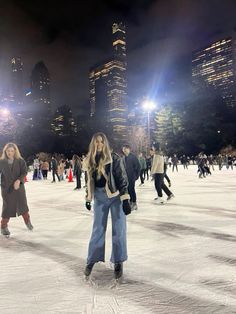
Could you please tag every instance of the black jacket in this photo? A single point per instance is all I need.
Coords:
(116, 179)
(132, 167)
(54, 164)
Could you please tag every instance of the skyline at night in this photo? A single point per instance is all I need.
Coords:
(70, 38)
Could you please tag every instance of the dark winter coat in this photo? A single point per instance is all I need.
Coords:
(14, 201)
(116, 179)
(132, 167)
(54, 164)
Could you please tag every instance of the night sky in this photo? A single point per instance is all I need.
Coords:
(71, 36)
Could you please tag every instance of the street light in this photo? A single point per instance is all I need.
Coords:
(5, 112)
(148, 105)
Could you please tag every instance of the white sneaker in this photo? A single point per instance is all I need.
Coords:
(160, 201)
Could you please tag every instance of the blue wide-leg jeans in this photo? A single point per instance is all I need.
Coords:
(102, 205)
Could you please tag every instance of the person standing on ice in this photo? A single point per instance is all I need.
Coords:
(132, 167)
(158, 172)
(13, 170)
(108, 186)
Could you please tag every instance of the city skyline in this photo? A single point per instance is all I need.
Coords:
(155, 30)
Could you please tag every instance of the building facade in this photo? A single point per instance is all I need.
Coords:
(108, 88)
(17, 80)
(63, 123)
(40, 91)
(215, 66)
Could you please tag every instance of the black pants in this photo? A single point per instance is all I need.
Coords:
(142, 175)
(132, 193)
(78, 180)
(54, 172)
(185, 166)
(146, 173)
(45, 174)
(175, 166)
(160, 185)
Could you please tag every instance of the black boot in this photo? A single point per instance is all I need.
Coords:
(88, 269)
(118, 270)
(29, 225)
(5, 231)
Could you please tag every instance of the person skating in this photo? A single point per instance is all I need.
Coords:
(158, 172)
(45, 168)
(143, 166)
(174, 161)
(77, 171)
(54, 166)
(108, 185)
(132, 168)
(13, 170)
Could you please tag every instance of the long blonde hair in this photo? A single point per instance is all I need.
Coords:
(105, 154)
(14, 146)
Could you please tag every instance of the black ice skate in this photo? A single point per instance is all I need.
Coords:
(5, 232)
(118, 270)
(29, 225)
(88, 269)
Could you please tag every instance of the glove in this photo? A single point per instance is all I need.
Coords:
(169, 184)
(126, 207)
(88, 205)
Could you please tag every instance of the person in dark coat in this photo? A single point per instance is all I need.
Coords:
(132, 167)
(54, 165)
(77, 171)
(13, 170)
(108, 186)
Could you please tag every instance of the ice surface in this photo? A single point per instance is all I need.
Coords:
(182, 255)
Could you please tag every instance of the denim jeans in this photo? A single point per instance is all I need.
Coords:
(102, 205)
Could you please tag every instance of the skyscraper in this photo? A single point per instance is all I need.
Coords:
(108, 87)
(17, 80)
(63, 123)
(40, 87)
(215, 66)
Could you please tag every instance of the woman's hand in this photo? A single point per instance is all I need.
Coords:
(17, 184)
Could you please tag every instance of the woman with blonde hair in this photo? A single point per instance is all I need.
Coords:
(108, 186)
(13, 170)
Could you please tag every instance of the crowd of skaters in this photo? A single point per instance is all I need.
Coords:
(110, 180)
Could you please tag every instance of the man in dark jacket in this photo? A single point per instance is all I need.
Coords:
(54, 165)
(132, 167)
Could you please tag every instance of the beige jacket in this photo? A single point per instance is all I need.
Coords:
(157, 164)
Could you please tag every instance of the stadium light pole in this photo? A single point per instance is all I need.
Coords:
(148, 106)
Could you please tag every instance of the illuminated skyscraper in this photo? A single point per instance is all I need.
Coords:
(17, 80)
(63, 123)
(108, 87)
(40, 87)
(215, 66)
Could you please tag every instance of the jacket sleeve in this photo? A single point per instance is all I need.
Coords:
(23, 171)
(121, 179)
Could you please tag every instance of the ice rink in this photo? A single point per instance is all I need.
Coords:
(182, 255)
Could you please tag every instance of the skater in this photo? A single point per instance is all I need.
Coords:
(143, 166)
(45, 168)
(13, 170)
(36, 167)
(108, 186)
(77, 171)
(158, 172)
(174, 161)
(54, 165)
(132, 168)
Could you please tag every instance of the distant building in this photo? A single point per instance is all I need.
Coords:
(108, 88)
(40, 92)
(17, 80)
(215, 66)
(63, 123)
